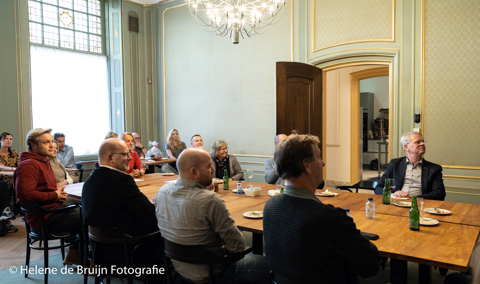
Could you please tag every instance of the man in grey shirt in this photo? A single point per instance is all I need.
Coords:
(65, 155)
(190, 214)
(270, 172)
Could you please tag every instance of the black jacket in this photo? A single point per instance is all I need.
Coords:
(432, 181)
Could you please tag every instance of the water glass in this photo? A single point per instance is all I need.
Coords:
(250, 176)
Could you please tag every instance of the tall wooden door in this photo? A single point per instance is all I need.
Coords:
(299, 99)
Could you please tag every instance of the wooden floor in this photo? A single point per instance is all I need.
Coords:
(13, 247)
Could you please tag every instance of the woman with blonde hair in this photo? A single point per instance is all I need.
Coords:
(173, 148)
(111, 134)
(135, 167)
(221, 161)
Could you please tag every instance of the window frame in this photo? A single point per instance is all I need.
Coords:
(103, 35)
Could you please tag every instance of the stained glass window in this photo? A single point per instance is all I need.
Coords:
(70, 24)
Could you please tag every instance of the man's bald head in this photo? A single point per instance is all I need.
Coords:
(109, 147)
(195, 164)
(279, 138)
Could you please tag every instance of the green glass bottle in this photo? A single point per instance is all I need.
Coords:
(386, 192)
(226, 186)
(281, 190)
(414, 215)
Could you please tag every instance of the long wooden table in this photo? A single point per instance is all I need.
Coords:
(448, 245)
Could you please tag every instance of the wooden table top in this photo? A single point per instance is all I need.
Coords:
(462, 213)
(447, 245)
(72, 170)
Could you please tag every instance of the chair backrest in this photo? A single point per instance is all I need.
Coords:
(195, 254)
(80, 168)
(109, 235)
(33, 208)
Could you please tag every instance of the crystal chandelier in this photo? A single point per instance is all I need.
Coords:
(235, 17)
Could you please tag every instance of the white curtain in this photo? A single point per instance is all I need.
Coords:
(70, 95)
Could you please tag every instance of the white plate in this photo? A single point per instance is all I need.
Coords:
(400, 198)
(253, 214)
(236, 191)
(428, 221)
(164, 158)
(439, 212)
(326, 194)
(402, 203)
(168, 174)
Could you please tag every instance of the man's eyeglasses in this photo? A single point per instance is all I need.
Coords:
(137, 138)
(123, 154)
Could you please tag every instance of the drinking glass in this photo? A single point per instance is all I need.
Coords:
(392, 184)
(420, 201)
(250, 176)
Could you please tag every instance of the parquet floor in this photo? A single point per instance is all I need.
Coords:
(13, 247)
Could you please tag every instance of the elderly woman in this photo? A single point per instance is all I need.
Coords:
(8, 162)
(61, 174)
(173, 149)
(221, 161)
(135, 167)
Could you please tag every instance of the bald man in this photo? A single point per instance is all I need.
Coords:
(270, 172)
(110, 198)
(190, 214)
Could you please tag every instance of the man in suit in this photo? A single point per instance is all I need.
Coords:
(414, 176)
(270, 172)
(110, 198)
(307, 240)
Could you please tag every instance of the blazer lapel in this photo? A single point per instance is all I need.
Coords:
(424, 175)
(401, 173)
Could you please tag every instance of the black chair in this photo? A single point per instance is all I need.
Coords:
(363, 184)
(280, 279)
(197, 254)
(80, 169)
(34, 238)
(114, 236)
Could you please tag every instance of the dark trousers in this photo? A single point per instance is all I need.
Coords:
(4, 195)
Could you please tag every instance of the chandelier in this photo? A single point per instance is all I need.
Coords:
(235, 17)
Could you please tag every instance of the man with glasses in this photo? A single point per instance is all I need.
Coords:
(138, 147)
(111, 198)
(414, 175)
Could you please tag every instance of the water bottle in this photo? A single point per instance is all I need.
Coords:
(348, 212)
(370, 208)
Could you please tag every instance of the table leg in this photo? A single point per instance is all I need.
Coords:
(424, 273)
(257, 243)
(398, 271)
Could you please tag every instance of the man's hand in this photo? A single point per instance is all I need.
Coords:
(61, 194)
(401, 194)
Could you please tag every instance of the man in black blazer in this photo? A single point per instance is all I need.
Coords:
(413, 174)
(110, 198)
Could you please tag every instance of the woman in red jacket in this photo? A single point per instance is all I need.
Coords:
(135, 167)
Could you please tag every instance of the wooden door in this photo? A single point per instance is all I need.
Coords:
(299, 99)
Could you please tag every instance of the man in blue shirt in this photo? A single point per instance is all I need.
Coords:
(65, 155)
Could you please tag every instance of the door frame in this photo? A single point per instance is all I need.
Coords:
(355, 78)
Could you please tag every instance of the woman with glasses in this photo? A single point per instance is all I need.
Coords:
(135, 167)
(221, 161)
